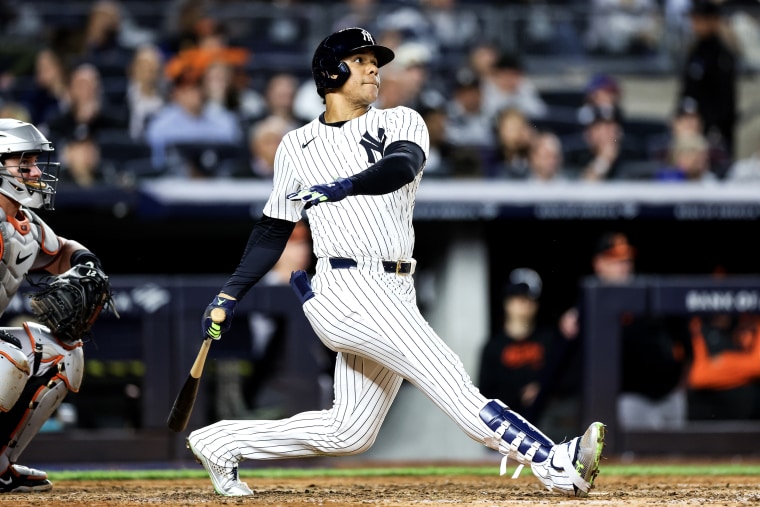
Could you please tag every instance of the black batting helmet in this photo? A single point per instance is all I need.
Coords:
(326, 66)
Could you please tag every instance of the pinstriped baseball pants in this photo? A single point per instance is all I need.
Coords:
(371, 319)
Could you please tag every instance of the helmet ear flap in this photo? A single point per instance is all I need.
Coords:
(334, 72)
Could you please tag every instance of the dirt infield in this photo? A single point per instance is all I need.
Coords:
(400, 492)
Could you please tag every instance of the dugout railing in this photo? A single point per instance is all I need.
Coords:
(658, 296)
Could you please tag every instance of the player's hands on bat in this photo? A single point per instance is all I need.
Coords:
(213, 328)
(326, 192)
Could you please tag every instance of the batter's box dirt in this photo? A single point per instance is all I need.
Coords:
(726, 491)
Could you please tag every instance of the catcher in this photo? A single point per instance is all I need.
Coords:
(39, 362)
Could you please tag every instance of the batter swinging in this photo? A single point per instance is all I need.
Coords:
(355, 170)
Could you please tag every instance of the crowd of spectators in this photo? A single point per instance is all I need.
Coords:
(124, 101)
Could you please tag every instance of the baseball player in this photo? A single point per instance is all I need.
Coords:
(39, 364)
(356, 170)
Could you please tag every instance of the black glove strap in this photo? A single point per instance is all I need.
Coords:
(83, 257)
(37, 357)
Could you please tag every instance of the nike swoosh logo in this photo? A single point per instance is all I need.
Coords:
(304, 145)
(10, 479)
(20, 260)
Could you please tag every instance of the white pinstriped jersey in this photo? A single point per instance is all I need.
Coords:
(367, 315)
(378, 227)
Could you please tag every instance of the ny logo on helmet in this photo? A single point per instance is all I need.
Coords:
(368, 36)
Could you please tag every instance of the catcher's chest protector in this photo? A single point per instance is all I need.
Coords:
(20, 247)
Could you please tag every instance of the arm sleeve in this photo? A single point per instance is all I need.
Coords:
(264, 248)
(401, 163)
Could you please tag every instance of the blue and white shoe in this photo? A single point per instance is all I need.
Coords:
(572, 466)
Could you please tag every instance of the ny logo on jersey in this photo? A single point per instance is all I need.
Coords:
(373, 145)
(367, 36)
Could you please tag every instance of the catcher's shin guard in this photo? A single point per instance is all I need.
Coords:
(514, 437)
(40, 399)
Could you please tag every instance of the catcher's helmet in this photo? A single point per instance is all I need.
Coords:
(20, 139)
(326, 66)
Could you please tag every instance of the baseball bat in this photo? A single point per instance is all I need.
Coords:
(183, 405)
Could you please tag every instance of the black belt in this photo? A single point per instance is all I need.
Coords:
(398, 267)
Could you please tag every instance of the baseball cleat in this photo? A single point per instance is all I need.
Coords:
(224, 479)
(21, 479)
(572, 466)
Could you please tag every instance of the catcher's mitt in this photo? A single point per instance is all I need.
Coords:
(69, 303)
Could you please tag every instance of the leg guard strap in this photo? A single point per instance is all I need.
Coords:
(526, 444)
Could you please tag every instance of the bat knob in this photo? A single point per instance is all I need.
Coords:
(218, 315)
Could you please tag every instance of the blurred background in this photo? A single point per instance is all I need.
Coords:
(611, 147)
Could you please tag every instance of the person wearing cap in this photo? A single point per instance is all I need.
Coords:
(508, 85)
(514, 357)
(604, 92)
(655, 351)
(468, 123)
(602, 151)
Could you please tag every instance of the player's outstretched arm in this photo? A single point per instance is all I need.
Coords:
(265, 245)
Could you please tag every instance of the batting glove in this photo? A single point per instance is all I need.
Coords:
(212, 329)
(326, 192)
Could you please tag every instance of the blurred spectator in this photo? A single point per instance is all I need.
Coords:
(219, 87)
(279, 99)
(689, 161)
(710, 74)
(685, 122)
(624, 27)
(361, 13)
(454, 26)
(20, 20)
(438, 163)
(430, 91)
(146, 88)
(602, 151)
(513, 359)
(183, 23)
(110, 35)
(83, 166)
(509, 86)
(724, 379)
(604, 93)
(514, 136)
(546, 33)
(48, 96)
(482, 59)
(88, 111)
(226, 80)
(189, 119)
(263, 138)
(545, 161)
(15, 110)
(747, 169)
(468, 124)
(410, 71)
(445, 159)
